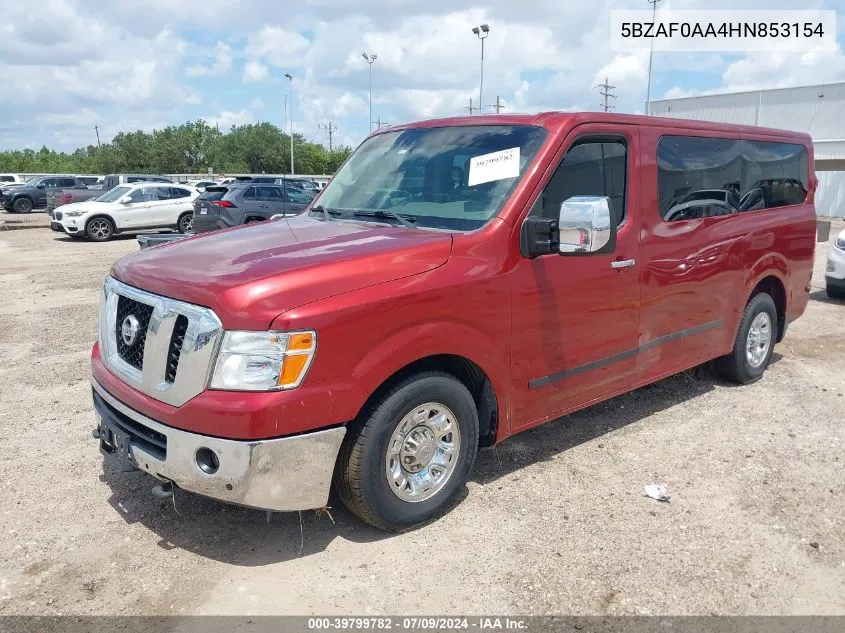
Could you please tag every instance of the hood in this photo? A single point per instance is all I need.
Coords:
(251, 274)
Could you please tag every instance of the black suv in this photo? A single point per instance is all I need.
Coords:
(223, 206)
(33, 194)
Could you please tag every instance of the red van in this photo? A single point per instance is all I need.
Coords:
(458, 281)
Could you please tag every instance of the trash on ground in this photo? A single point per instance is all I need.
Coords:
(657, 491)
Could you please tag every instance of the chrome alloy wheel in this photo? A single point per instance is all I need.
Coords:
(100, 228)
(423, 452)
(759, 339)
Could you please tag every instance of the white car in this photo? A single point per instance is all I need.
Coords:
(835, 273)
(128, 209)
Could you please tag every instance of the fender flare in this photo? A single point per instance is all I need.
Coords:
(434, 338)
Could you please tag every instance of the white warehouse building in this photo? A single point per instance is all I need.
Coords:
(817, 110)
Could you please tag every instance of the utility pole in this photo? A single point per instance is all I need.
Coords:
(653, 4)
(97, 132)
(608, 97)
(378, 123)
(470, 107)
(329, 129)
(498, 105)
(290, 80)
(371, 58)
(481, 32)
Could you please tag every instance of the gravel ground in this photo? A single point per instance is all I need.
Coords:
(554, 521)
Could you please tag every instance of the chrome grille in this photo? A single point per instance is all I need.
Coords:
(134, 353)
(175, 350)
(171, 357)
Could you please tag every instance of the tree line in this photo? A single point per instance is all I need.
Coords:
(190, 148)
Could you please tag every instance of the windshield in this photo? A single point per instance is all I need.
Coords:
(114, 195)
(454, 178)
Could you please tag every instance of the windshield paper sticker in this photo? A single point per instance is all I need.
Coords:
(495, 166)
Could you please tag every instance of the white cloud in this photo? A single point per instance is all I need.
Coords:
(222, 63)
(278, 46)
(124, 65)
(226, 119)
(254, 71)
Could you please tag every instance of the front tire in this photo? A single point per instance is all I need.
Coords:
(99, 229)
(755, 341)
(22, 205)
(835, 293)
(186, 223)
(406, 460)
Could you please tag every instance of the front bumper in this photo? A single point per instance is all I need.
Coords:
(835, 268)
(284, 474)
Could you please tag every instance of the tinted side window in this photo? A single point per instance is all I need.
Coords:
(589, 168)
(67, 182)
(705, 177)
(250, 194)
(178, 192)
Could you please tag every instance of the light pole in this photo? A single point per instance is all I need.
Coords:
(653, 4)
(372, 57)
(482, 32)
(290, 80)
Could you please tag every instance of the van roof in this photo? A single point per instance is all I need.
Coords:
(554, 121)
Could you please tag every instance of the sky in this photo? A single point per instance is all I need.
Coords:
(68, 65)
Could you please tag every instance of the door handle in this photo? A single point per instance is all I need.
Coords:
(622, 263)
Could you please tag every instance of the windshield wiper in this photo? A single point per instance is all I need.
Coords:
(381, 214)
(327, 213)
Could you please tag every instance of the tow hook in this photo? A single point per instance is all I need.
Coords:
(163, 491)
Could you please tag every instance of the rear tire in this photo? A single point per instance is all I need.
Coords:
(407, 458)
(755, 341)
(186, 222)
(22, 205)
(835, 293)
(99, 229)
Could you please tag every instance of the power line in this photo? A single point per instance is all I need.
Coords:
(329, 128)
(608, 98)
(378, 123)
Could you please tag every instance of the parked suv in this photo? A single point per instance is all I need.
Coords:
(835, 270)
(454, 284)
(33, 194)
(128, 209)
(222, 206)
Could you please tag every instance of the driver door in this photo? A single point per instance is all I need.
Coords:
(140, 211)
(576, 317)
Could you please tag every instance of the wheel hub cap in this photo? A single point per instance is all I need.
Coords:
(423, 452)
(759, 339)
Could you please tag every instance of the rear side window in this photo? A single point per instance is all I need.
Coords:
(177, 192)
(268, 193)
(706, 177)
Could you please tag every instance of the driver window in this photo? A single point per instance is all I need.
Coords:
(589, 168)
(140, 195)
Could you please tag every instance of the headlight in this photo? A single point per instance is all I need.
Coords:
(263, 361)
(5, 192)
(73, 214)
(840, 243)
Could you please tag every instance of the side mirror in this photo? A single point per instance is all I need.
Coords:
(125, 200)
(585, 225)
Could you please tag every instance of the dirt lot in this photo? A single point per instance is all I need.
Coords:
(554, 521)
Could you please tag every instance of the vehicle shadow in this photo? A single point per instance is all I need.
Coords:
(247, 537)
(822, 297)
(548, 440)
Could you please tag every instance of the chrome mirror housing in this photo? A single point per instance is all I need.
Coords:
(584, 224)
